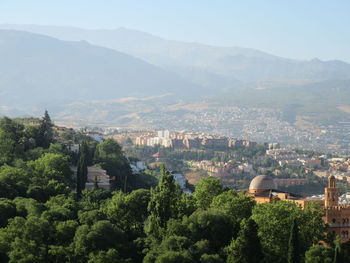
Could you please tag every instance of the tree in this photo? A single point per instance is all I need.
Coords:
(31, 134)
(45, 133)
(129, 211)
(51, 175)
(239, 206)
(91, 217)
(30, 241)
(163, 204)
(13, 181)
(11, 140)
(206, 189)
(293, 244)
(212, 225)
(109, 256)
(52, 166)
(337, 251)
(93, 199)
(174, 257)
(84, 161)
(27, 207)
(65, 231)
(7, 211)
(212, 258)
(82, 168)
(246, 248)
(109, 156)
(319, 254)
(272, 219)
(101, 236)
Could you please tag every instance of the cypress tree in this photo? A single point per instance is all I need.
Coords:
(79, 182)
(82, 169)
(95, 183)
(293, 244)
(246, 248)
(83, 162)
(45, 132)
(337, 251)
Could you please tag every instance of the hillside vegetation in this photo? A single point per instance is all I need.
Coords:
(47, 217)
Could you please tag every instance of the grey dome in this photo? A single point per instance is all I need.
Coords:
(262, 182)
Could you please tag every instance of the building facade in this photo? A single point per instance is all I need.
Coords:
(336, 216)
(264, 190)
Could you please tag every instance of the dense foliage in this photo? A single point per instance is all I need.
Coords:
(47, 216)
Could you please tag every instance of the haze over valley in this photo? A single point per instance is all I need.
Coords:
(131, 79)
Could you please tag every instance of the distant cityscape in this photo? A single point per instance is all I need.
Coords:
(254, 124)
(257, 124)
(283, 160)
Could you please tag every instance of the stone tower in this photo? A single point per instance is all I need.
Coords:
(331, 193)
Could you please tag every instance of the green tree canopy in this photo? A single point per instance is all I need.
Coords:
(239, 206)
(109, 156)
(163, 203)
(52, 166)
(246, 248)
(12, 141)
(272, 219)
(13, 181)
(319, 254)
(206, 189)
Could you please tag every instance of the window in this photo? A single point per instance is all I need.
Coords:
(334, 220)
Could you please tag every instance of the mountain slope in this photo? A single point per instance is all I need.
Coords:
(227, 63)
(36, 69)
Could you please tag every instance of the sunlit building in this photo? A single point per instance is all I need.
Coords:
(264, 190)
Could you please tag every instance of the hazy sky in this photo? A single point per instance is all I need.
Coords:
(300, 29)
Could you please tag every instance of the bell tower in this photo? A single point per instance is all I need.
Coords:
(331, 193)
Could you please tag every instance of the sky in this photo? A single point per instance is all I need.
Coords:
(299, 29)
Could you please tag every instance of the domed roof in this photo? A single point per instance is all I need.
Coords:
(262, 182)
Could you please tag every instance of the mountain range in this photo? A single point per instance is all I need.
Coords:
(219, 68)
(37, 69)
(78, 72)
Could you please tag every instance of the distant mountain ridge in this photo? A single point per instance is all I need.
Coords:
(38, 69)
(211, 64)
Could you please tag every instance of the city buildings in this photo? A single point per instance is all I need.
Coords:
(191, 140)
(337, 216)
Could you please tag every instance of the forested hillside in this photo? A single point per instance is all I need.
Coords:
(47, 216)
